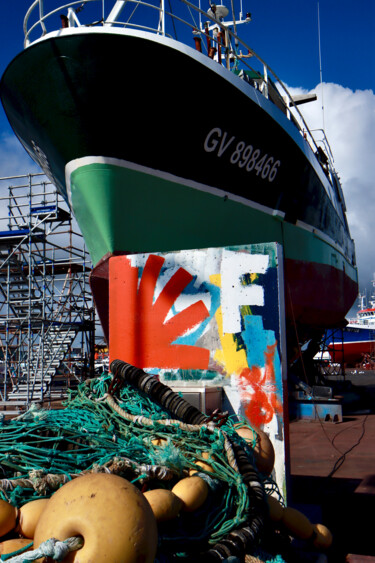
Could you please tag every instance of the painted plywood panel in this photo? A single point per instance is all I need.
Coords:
(211, 316)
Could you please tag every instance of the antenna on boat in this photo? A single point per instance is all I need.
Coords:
(362, 298)
(234, 22)
(372, 299)
(320, 66)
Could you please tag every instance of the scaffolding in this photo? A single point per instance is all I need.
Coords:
(47, 318)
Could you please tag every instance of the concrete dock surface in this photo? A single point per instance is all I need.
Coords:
(332, 469)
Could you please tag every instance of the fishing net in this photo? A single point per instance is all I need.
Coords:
(130, 424)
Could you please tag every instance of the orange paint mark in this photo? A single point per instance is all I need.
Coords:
(139, 333)
(262, 400)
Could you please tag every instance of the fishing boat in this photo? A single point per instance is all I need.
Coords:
(108, 103)
(355, 343)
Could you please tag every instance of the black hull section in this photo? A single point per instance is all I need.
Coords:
(177, 113)
(91, 94)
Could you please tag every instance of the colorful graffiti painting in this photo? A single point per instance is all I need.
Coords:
(201, 314)
(213, 314)
(143, 333)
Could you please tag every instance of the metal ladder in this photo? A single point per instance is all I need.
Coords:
(36, 383)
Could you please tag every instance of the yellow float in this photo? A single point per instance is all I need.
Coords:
(110, 514)
(8, 517)
(165, 504)
(9, 546)
(193, 491)
(275, 509)
(297, 523)
(322, 537)
(28, 516)
(160, 442)
(203, 465)
(264, 452)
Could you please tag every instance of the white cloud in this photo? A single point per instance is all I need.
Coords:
(349, 119)
(14, 160)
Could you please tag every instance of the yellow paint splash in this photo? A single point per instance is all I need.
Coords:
(232, 359)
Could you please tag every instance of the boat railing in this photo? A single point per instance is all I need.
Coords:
(225, 43)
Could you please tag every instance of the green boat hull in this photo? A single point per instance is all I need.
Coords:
(105, 196)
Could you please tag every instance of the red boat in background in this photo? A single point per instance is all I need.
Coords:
(355, 344)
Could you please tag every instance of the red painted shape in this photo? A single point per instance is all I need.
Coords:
(138, 331)
(263, 403)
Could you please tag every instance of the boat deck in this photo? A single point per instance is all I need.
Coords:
(332, 471)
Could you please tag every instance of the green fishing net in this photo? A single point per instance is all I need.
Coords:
(132, 436)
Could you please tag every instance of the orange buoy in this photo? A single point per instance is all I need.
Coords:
(264, 452)
(165, 504)
(110, 514)
(193, 491)
(322, 537)
(28, 516)
(297, 523)
(8, 517)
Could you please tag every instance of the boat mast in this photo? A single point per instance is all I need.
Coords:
(372, 298)
(362, 297)
(161, 26)
(115, 12)
(320, 67)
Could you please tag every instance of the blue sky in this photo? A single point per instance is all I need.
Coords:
(285, 35)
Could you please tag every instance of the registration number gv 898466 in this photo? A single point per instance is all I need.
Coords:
(242, 154)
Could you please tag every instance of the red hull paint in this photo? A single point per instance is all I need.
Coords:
(317, 295)
(351, 352)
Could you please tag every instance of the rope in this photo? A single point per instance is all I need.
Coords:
(52, 548)
(6, 556)
(150, 436)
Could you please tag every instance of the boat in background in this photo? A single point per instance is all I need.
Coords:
(128, 122)
(355, 344)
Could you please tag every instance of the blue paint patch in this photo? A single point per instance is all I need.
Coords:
(256, 340)
(192, 338)
(278, 376)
